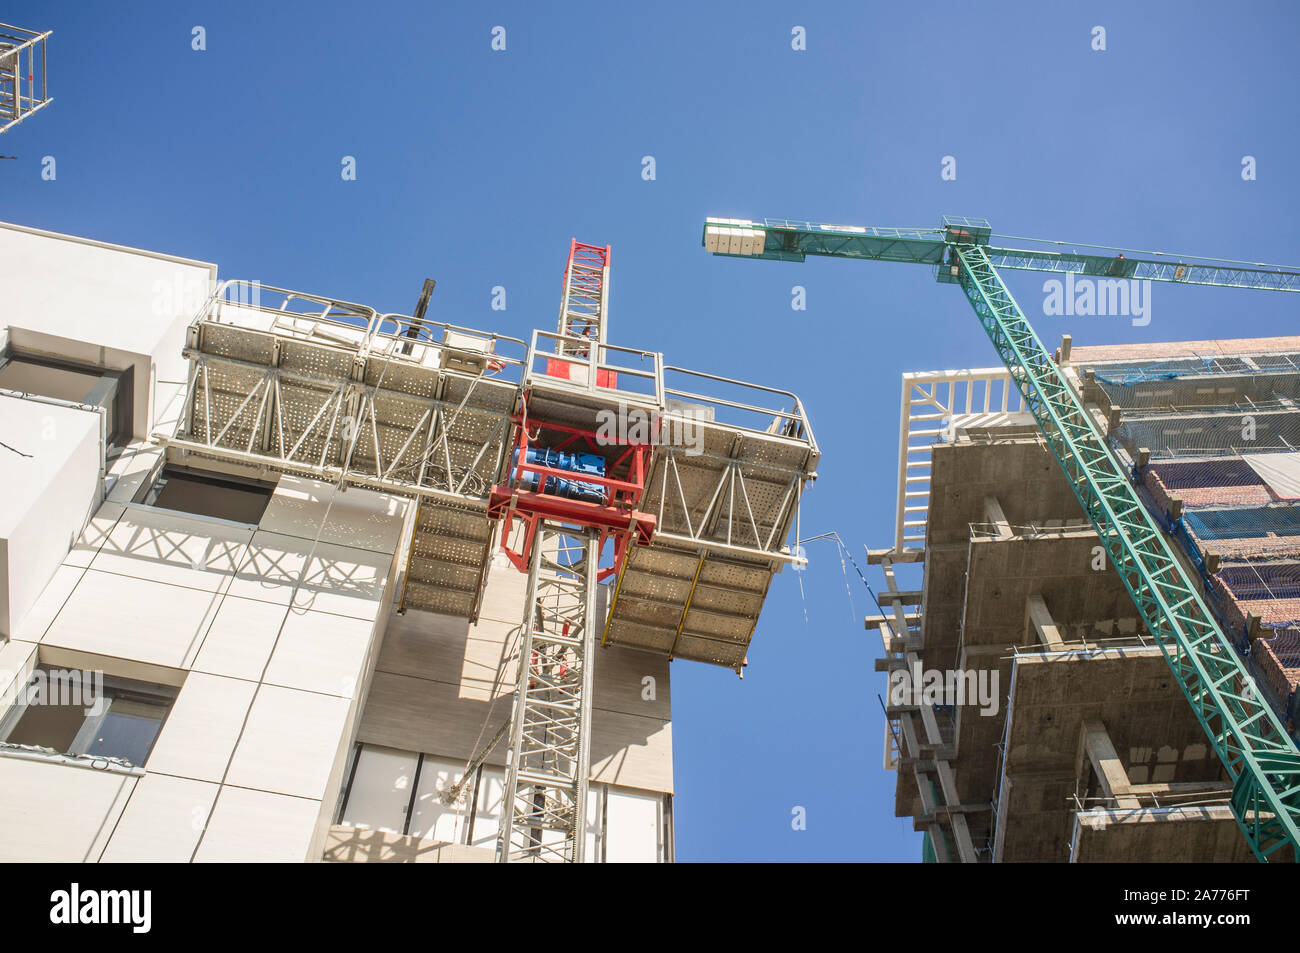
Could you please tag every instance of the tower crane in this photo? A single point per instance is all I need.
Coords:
(1251, 743)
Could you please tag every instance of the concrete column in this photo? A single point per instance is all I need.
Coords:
(993, 515)
(1039, 620)
(1096, 747)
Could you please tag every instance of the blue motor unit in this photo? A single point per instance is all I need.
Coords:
(578, 463)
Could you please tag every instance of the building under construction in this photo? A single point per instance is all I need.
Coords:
(1114, 546)
(1087, 750)
(286, 579)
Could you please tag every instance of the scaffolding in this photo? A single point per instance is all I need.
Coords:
(685, 517)
(23, 87)
(1201, 430)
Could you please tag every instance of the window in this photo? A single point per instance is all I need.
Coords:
(625, 826)
(82, 713)
(77, 384)
(400, 792)
(209, 494)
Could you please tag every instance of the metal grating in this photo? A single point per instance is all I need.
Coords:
(328, 389)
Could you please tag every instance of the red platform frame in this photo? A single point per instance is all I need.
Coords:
(618, 519)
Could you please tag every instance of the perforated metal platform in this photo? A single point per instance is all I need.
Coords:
(332, 390)
(725, 505)
(448, 555)
(725, 478)
(342, 394)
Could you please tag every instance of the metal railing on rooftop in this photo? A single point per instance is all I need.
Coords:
(608, 370)
(792, 423)
(604, 369)
(931, 402)
(346, 324)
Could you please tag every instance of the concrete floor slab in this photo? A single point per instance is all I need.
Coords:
(1129, 690)
(1159, 835)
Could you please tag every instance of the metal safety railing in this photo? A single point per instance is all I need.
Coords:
(23, 83)
(339, 323)
(933, 403)
(743, 414)
(605, 369)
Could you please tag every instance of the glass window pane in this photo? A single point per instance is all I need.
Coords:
(633, 832)
(211, 496)
(381, 789)
(432, 819)
(491, 801)
(37, 377)
(128, 730)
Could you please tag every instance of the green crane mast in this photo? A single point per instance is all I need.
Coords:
(1252, 744)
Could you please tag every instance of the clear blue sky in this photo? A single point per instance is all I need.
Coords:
(476, 167)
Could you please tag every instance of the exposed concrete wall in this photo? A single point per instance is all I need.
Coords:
(1208, 834)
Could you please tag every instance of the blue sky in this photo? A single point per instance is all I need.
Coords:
(476, 167)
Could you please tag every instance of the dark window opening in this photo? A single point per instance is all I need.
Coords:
(74, 713)
(209, 494)
(77, 384)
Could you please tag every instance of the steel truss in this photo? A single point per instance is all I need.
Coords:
(23, 88)
(1253, 746)
(344, 431)
(728, 515)
(1219, 275)
(543, 819)
(584, 306)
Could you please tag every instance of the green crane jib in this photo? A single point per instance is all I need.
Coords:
(1250, 741)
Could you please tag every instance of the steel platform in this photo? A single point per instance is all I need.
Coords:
(725, 501)
(726, 475)
(294, 383)
(332, 390)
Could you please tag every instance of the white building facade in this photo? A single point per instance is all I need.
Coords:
(258, 695)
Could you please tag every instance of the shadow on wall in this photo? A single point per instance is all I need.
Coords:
(361, 846)
(444, 687)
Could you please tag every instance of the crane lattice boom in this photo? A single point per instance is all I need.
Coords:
(1252, 744)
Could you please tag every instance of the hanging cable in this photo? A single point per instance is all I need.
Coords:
(844, 553)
